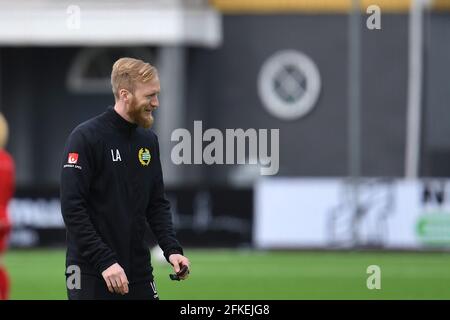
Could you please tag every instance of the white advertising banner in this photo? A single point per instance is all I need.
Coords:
(334, 213)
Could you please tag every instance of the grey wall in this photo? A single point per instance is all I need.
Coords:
(436, 113)
(315, 145)
(41, 111)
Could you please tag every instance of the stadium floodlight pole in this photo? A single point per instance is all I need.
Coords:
(354, 111)
(172, 62)
(354, 90)
(413, 125)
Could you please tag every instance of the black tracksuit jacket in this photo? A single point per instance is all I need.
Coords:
(111, 190)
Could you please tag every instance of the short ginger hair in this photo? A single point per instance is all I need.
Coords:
(127, 71)
(3, 131)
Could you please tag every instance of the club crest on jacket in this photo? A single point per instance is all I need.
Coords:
(144, 156)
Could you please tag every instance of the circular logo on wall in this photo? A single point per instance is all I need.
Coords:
(289, 84)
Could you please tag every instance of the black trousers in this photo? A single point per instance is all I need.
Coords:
(94, 288)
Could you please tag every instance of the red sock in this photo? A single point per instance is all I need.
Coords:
(4, 284)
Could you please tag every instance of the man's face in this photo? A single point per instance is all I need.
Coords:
(144, 102)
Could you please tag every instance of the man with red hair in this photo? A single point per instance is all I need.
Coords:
(112, 193)
(6, 193)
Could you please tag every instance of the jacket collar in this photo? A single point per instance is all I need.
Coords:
(117, 120)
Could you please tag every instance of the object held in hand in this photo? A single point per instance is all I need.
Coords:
(184, 271)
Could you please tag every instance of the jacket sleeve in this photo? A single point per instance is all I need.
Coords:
(77, 172)
(159, 215)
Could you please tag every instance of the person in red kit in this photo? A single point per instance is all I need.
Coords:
(6, 193)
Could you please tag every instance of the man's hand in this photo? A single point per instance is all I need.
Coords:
(116, 279)
(177, 261)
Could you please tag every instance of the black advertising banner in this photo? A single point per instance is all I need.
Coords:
(202, 216)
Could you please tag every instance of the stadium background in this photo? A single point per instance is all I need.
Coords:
(361, 181)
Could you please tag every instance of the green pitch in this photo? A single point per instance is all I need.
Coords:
(230, 274)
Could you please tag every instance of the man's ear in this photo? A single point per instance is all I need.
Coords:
(124, 95)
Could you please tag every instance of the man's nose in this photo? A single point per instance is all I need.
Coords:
(155, 102)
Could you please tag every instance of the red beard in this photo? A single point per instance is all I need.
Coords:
(140, 117)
